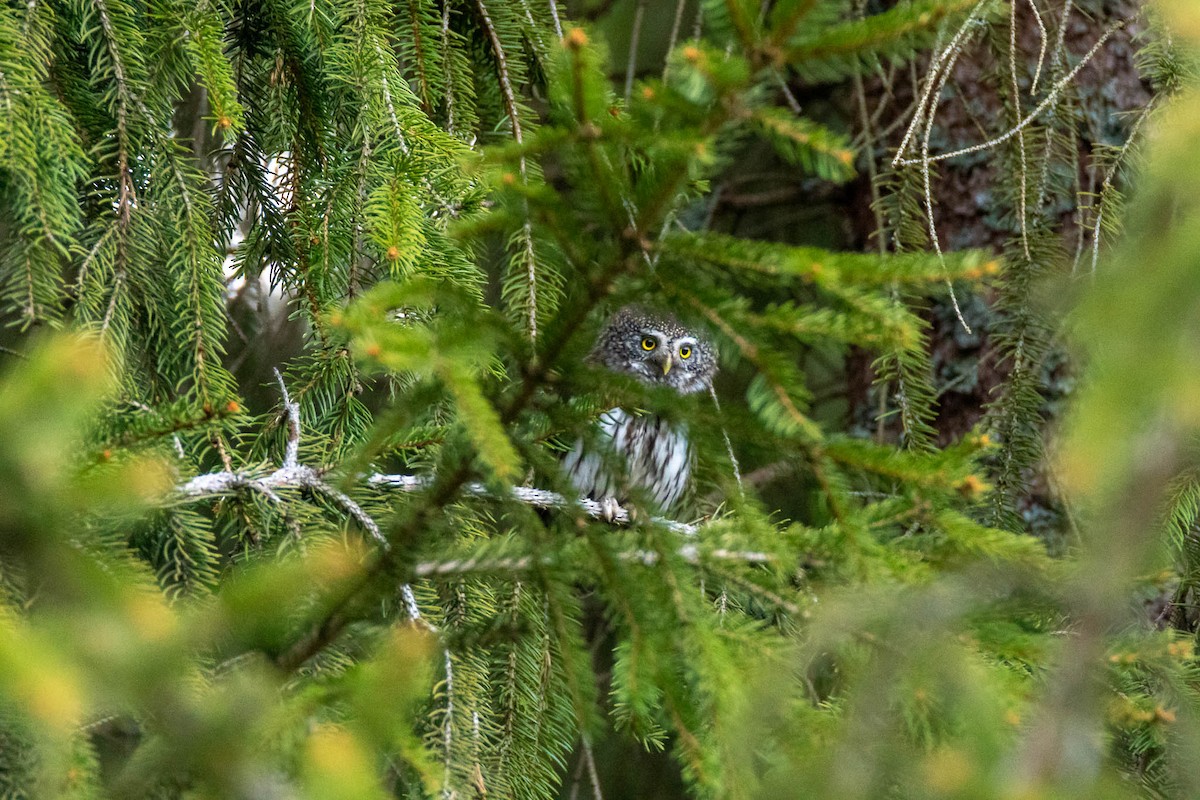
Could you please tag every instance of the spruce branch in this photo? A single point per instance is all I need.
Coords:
(445, 205)
(448, 483)
(511, 107)
(299, 476)
(202, 273)
(446, 58)
(125, 191)
(1022, 201)
(842, 49)
(423, 82)
(1106, 187)
(291, 475)
(511, 689)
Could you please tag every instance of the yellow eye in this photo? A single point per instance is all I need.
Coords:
(685, 352)
(649, 344)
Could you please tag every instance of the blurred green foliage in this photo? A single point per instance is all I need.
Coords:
(330, 585)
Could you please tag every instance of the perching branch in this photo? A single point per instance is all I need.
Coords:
(303, 477)
(538, 498)
(294, 475)
(299, 476)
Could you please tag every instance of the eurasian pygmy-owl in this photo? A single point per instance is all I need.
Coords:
(642, 452)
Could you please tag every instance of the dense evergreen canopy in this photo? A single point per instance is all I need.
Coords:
(297, 298)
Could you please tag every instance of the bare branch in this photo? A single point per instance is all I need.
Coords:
(518, 564)
(292, 454)
(448, 724)
(593, 776)
(538, 498)
(294, 475)
(634, 36)
(1055, 91)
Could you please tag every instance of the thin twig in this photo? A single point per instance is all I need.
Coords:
(733, 461)
(936, 67)
(1042, 37)
(675, 26)
(1016, 99)
(590, 761)
(446, 59)
(1110, 174)
(1056, 64)
(448, 724)
(933, 234)
(788, 97)
(634, 36)
(292, 410)
(1037, 112)
(509, 95)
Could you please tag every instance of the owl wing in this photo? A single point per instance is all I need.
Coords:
(643, 451)
(590, 465)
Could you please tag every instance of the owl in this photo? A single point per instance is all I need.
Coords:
(634, 452)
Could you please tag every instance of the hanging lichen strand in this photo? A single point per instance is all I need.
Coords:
(298, 297)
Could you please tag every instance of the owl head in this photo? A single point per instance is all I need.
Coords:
(656, 349)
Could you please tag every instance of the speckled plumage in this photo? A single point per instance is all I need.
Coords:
(642, 451)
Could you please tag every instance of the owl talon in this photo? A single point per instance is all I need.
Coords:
(609, 508)
(612, 511)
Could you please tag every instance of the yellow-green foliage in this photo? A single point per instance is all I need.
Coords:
(340, 591)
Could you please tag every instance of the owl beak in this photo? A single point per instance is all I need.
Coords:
(666, 363)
